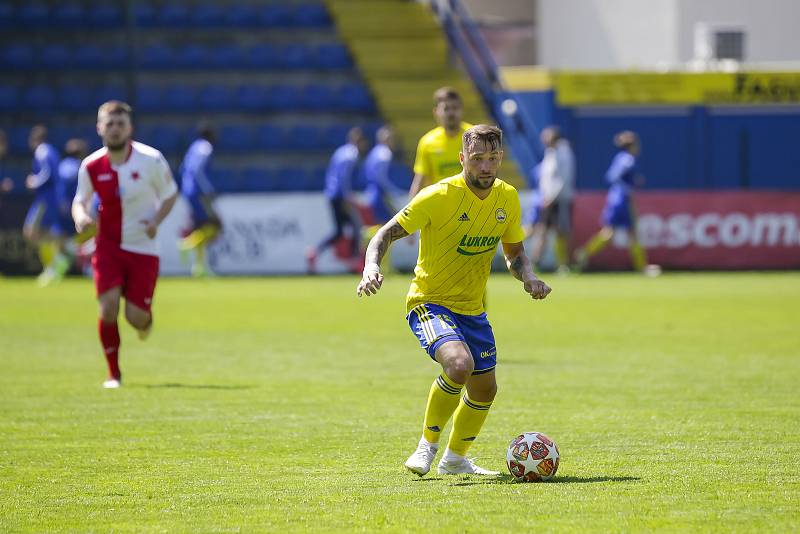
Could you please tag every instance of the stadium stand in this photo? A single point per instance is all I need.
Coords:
(274, 77)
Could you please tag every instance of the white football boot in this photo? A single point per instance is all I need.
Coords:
(112, 383)
(452, 464)
(421, 459)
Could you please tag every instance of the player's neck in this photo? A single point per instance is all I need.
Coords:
(482, 194)
(451, 132)
(118, 157)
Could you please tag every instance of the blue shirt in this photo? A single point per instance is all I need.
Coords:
(68, 176)
(341, 170)
(194, 169)
(376, 172)
(45, 167)
(621, 175)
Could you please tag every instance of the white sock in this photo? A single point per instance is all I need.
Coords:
(451, 457)
(423, 441)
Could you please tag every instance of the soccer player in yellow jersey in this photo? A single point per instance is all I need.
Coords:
(461, 220)
(437, 151)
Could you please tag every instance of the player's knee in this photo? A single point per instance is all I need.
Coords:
(460, 368)
(30, 233)
(109, 311)
(138, 318)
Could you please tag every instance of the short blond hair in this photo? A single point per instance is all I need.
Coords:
(113, 107)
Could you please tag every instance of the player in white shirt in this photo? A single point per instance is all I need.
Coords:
(134, 184)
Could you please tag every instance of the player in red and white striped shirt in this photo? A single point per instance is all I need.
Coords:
(136, 191)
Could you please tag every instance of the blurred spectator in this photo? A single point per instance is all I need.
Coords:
(6, 183)
(338, 189)
(553, 211)
(199, 193)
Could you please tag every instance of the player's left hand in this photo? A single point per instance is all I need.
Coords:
(536, 289)
(150, 228)
(30, 181)
(371, 281)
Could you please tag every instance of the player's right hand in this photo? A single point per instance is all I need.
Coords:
(371, 281)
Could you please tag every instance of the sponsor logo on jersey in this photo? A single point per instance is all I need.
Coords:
(483, 243)
(105, 177)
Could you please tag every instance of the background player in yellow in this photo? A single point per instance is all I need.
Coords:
(437, 151)
(461, 220)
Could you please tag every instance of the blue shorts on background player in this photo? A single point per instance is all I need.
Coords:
(618, 213)
(198, 191)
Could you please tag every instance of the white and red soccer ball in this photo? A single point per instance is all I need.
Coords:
(532, 457)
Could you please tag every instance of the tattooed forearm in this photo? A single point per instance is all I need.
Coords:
(379, 244)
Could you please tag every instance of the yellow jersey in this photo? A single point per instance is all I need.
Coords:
(459, 234)
(437, 153)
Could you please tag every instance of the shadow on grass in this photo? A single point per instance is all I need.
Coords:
(508, 479)
(192, 386)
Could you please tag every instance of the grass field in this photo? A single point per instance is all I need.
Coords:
(289, 405)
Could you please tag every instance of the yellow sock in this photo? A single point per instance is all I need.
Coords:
(200, 236)
(560, 246)
(47, 252)
(638, 256)
(467, 423)
(595, 245)
(442, 402)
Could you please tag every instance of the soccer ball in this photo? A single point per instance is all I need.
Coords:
(532, 457)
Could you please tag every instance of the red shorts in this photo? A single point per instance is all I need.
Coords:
(135, 273)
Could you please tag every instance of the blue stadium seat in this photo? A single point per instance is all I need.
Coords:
(223, 179)
(75, 98)
(144, 14)
(311, 16)
(173, 16)
(192, 56)
(58, 136)
(304, 137)
(272, 137)
(290, 179)
(105, 16)
(274, 15)
(332, 56)
(9, 98)
(262, 56)
(228, 56)
(157, 56)
(215, 98)
(242, 16)
(7, 16)
(317, 97)
(115, 57)
(354, 97)
(284, 98)
(68, 16)
(257, 179)
(336, 135)
(149, 99)
(180, 98)
(104, 93)
(88, 56)
(18, 140)
(252, 98)
(167, 139)
(19, 57)
(33, 15)
(55, 56)
(39, 98)
(208, 15)
(296, 56)
(236, 138)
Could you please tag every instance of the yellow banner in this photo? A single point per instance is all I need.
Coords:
(597, 88)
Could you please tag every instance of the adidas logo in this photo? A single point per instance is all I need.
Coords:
(464, 217)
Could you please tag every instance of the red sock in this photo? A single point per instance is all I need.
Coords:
(109, 338)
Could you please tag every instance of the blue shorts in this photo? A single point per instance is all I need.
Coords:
(617, 215)
(45, 213)
(199, 212)
(435, 325)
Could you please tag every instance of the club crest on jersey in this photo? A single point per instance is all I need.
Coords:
(135, 175)
(500, 215)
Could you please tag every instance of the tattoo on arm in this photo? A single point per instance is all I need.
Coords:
(515, 266)
(380, 243)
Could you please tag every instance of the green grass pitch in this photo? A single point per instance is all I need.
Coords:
(287, 404)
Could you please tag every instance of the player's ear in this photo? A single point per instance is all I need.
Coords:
(461, 158)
